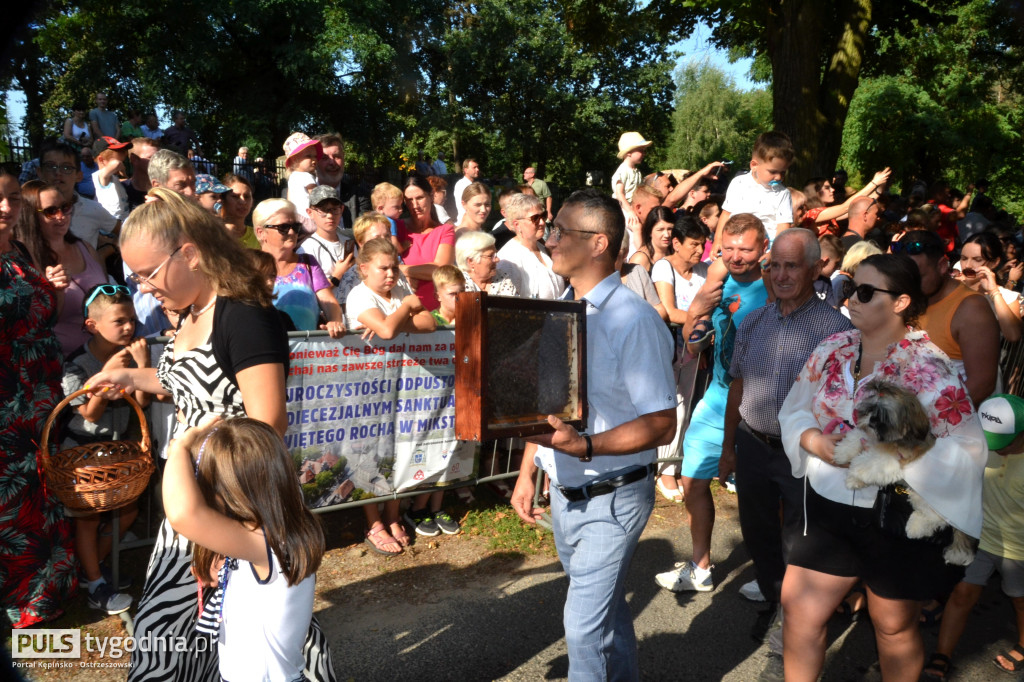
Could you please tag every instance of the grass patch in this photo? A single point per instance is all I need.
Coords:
(506, 532)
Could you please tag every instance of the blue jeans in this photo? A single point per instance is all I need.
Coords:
(596, 539)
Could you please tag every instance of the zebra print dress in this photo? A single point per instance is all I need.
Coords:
(168, 610)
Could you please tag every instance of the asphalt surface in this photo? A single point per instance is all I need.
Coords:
(500, 619)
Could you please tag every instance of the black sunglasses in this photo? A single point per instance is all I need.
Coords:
(284, 228)
(865, 292)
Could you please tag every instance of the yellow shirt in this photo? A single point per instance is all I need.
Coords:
(1002, 501)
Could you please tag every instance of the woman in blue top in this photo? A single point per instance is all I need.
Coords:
(301, 289)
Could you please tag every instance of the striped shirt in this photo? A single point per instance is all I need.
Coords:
(771, 349)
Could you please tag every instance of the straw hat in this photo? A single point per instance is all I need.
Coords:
(630, 141)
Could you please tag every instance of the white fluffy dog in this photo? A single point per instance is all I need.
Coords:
(892, 431)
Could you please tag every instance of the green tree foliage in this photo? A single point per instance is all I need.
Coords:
(944, 101)
(713, 119)
(816, 49)
(551, 82)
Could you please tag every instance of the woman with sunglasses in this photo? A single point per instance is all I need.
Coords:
(842, 542)
(301, 289)
(981, 258)
(227, 358)
(39, 573)
(45, 231)
(526, 252)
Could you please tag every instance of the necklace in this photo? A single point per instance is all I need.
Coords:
(195, 313)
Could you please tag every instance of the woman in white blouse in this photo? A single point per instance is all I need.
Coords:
(842, 541)
(476, 256)
(526, 252)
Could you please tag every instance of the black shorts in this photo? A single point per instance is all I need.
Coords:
(843, 540)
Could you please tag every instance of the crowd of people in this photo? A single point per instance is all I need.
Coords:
(792, 305)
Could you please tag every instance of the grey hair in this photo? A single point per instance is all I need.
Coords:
(812, 248)
(268, 207)
(164, 161)
(471, 244)
(517, 205)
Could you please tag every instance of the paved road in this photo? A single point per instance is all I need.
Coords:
(501, 619)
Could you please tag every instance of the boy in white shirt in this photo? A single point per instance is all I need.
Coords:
(762, 190)
(334, 254)
(110, 158)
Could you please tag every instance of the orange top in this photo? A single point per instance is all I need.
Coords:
(938, 319)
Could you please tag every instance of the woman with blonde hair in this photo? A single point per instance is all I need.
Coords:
(476, 201)
(848, 269)
(228, 358)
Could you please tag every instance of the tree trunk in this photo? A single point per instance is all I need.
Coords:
(808, 105)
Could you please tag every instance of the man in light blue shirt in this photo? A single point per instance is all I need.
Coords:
(602, 489)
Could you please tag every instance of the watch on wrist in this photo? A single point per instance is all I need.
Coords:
(590, 449)
(334, 280)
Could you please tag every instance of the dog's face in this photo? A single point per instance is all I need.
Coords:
(894, 415)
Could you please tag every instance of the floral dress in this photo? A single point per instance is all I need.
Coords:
(37, 572)
(948, 476)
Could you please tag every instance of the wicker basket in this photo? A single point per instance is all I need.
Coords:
(98, 476)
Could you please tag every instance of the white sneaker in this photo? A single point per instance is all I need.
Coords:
(752, 591)
(686, 576)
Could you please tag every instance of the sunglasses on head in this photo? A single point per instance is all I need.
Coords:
(284, 228)
(54, 211)
(865, 292)
(913, 248)
(106, 290)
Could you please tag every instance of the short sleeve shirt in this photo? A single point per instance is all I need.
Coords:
(107, 121)
(362, 298)
(296, 293)
(424, 250)
(685, 289)
(629, 177)
(747, 195)
(115, 418)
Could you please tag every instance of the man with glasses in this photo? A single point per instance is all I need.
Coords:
(526, 252)
(773, 344)
(333, 253)
(602, 491)
(958, 320)
(60, 165)
(861, 219)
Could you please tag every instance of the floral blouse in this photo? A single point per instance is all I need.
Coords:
(948, 476)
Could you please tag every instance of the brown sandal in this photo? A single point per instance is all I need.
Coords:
(381, 538)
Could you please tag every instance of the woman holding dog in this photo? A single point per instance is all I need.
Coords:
(842, 543)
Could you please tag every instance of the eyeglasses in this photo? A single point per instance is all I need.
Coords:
(284, 228)
(537, 218)
(865, 292)
(53, 211)
(65, 169)
(106, 290)
(556, 234)
(139, 280)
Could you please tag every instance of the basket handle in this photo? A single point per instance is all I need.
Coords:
(45, 450)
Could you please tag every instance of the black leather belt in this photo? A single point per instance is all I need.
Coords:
(606, 486)
(770, 441)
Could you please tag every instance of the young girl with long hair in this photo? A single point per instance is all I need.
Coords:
(231, 489)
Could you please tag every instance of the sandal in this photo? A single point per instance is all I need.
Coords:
(938, 668)
(931, 615)
(401, 536)
(1017, 664)
(701, 329)
(381, 538)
